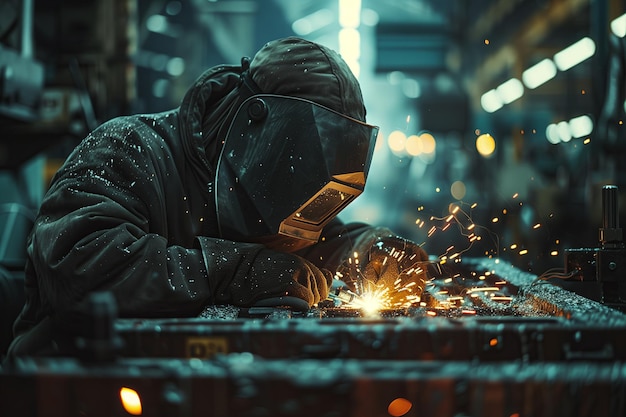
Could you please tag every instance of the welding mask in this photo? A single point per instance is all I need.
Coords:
(287, 167)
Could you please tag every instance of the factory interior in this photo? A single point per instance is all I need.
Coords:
(498, 153)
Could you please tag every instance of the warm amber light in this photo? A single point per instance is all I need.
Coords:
(485, 144)
(458, 190)
(130, 401)
(429, 144)
(399, 407)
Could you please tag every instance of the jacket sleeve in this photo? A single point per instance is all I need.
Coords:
(103, 226)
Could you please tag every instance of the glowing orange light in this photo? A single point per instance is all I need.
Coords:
(554, 253)
(399, 407)
(493, 342)
(130, 401)
(486, 41)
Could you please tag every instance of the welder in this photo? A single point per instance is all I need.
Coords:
(230, 198)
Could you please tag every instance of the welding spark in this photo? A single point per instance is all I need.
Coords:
(372, 302)
(463, 219)
(384, 280)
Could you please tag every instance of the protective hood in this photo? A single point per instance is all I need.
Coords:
(287, 167)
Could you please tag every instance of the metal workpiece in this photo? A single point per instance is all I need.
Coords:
(537, 321)
(487, 340)
(246, 385)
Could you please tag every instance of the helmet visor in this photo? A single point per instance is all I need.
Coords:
(288, 166)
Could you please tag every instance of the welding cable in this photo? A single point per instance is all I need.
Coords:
(557, 273)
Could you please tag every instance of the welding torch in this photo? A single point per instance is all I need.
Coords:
(339, 293)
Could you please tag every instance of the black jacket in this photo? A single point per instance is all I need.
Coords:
(132, 211)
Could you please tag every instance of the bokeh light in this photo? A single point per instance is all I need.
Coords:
(413, 145)
(458, 190)
(130, 401)
(396, 141)
(399, 407)
(485, 144)
(429, 144)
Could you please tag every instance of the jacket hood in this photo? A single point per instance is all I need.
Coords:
(299, 68)
(204, 113)
(290, 66)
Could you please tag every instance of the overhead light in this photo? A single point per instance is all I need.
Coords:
(510, 90)
(370, 17)
(552, 134)
(575, 54)
(350, 48)
(349, 44)
(618, 26)
(313, 22)
(563, 129)
(349, 36)
(539, 73)
(349, 13)
(581, 126)
(491, 101)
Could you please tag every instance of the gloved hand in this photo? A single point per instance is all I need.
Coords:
(388, 265)
(389, 258)
(245, 273)
(274, 274)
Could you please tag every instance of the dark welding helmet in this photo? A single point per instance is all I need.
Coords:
(287, 167)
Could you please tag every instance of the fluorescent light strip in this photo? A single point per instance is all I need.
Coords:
(575, 54)
(539, 73)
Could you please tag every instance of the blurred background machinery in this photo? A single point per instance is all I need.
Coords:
(501, 121)
(510, 110)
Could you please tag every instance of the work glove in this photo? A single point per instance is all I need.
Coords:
(244, 274)
(387, 266)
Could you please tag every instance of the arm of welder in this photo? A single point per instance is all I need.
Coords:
(102, 226)
(249, 274)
